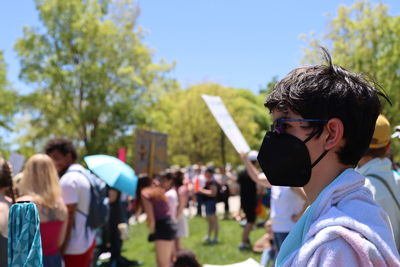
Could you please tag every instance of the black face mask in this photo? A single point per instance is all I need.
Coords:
(285, 159)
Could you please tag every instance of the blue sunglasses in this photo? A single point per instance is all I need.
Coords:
(277, 126)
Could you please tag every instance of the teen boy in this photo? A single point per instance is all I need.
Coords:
(324, 118)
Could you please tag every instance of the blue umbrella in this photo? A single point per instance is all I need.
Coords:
(114, 172)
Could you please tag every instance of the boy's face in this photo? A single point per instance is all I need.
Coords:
(301, 130)
(61, 161)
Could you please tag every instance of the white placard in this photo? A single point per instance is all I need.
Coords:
(250, 262)
(17, 161)
(226, 123)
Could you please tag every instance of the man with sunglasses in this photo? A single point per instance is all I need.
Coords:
(324, 118)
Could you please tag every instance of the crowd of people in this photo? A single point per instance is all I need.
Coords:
(58, 186)
(61, 191)
(334, 192)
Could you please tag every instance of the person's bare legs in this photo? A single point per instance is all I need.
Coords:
(164, 252)
(246, 232)
(210, 225)
(215, 226)
(178, 244)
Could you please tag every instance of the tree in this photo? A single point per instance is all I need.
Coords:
(269, 86)
(365, 38)
(194, 135)
(8, 97)
(90, 72)
(8, 103)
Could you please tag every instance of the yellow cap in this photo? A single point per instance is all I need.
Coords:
(382, 133)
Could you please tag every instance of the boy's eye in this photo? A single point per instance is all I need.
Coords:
(285, 126)
(305, 126)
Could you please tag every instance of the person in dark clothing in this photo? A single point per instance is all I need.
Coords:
(197, 183)
(248, 201)
(226, 180)
(116, 217)
(114, 233)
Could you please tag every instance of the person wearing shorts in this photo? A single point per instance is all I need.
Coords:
(162, 227)
(210, 201)
(211, 207)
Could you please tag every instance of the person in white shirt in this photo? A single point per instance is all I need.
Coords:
(287, 206)
(375, 166)
(287, 203)
(79, 243)
(166, 182)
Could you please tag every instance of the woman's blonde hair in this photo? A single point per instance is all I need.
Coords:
(40, 180)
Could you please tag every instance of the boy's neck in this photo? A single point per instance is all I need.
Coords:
(321, 177)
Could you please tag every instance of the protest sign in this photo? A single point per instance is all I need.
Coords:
(150, 152)
(226, 123)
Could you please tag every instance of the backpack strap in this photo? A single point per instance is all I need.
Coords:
(90, 182)
(387, 187)
(81, 212)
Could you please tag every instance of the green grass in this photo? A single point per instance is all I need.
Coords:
(226, 252)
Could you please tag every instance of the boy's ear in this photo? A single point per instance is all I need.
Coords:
(334, 133)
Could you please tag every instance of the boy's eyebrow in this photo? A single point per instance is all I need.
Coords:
(284, 117)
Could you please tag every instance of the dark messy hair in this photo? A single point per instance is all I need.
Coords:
(178, 178)
(143, 182)
(62, 145)
(6, 178)
(167, 175)
(186, 258)
(326, 92)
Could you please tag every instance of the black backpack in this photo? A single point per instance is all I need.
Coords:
(222, 190)
(98, 208)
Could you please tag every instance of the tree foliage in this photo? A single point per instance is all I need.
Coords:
(8, 97)
(269, 86)
(193, 133)
(365, 38)
(8, 103)
(90, 72)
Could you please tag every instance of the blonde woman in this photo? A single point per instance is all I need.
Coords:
(40, 185)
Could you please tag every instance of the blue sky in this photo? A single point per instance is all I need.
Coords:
(235, 43)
